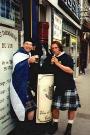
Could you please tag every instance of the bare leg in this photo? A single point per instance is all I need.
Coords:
(71, 115)
(55, 114)
(30, 115)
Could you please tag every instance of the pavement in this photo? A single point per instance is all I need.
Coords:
(81, 124)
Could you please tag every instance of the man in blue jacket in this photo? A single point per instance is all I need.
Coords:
(22, 100)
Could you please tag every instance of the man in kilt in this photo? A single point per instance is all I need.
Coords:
(23, 105)
(65, 95)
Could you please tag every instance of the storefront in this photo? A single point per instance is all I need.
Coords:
(64, 26)
(71, 43)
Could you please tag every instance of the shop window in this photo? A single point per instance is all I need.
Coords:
(7, 9)
(2, 8)
(10, 9)
(67, 40)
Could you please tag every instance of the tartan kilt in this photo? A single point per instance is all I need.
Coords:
(69, 101)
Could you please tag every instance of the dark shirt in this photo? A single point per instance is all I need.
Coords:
(63, 81)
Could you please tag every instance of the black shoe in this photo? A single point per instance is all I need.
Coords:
(68, 129)
(53, 128)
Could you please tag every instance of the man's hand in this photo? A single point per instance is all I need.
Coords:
(54, 60)
(32, 59)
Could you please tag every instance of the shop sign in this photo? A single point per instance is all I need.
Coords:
(57, 27)
(45, 89)
(8, 46)
(72, 5)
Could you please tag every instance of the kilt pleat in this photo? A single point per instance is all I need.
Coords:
(69, 101)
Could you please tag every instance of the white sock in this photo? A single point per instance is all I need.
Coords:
(55, 120)
(70, 121)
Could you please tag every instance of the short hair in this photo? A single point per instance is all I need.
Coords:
(58, 44)
(28, 42)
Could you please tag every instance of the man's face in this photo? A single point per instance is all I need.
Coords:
(28, 46)
(55, 49)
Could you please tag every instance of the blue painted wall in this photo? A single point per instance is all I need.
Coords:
(35, 16)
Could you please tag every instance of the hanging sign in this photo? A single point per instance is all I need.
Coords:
(57, 27)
